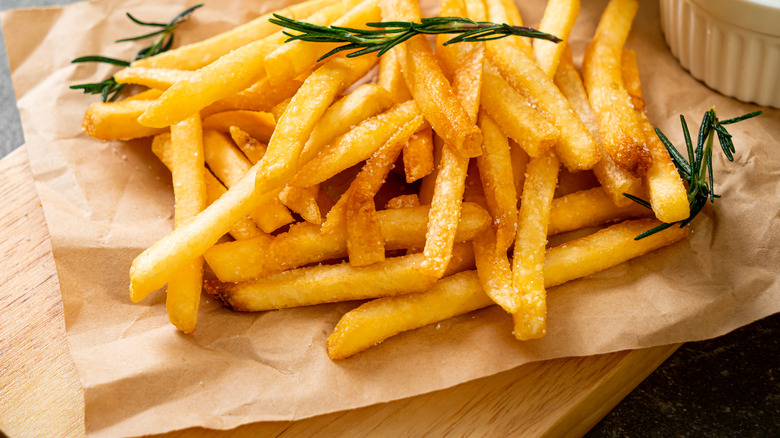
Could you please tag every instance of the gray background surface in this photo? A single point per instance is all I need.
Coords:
(726, 387)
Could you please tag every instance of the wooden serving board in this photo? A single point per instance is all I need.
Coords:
(40, 393)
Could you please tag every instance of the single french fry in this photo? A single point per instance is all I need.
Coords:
(189, 188)
(519, 162)
(445, 210)
(226, 76)
(668, 195)
(375, 321)
(612, 177)
(588, 208)
(515, 115)
(380, 319)
(295, 57)
(244, 228)
(576, 147)
(304, 244)
(196, 55)
(373, 174)
(528, 259)
(391, 78)
(328, 284)
(302, 201)
(621, 135)
(356, 145)
(117, 120)
(159, 78)
(364, 102)
(259, 125)
(429, 87)
(403, 201)
(252, 149)
(495, 170)
(606, 248)
(418, 155)
(493, 267)
(558, 19)
(365, 244)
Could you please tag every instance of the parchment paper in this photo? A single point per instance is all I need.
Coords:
(107, 201)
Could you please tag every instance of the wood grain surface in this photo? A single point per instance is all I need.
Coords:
(40, 394)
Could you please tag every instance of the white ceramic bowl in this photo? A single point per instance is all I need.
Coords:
(732, 46)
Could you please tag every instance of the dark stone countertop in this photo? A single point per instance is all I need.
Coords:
(725, 387)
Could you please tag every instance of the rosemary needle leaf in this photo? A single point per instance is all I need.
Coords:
(682, 166)
(141, 37)
(144, 23)
(704, 131)
(689, 145)
(103, 59)
(653, 230)
(727, 145)
(741, 118)
(639, 201)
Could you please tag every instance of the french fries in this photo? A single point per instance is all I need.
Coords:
(304, 244)
(668, 196)
(332, 283)
(614, 179)
(528, 260)
(189, 188)
(377, 320)
(429, 87)
(220, 79)
(265, 144)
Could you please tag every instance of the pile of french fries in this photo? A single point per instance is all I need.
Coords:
(429, 192)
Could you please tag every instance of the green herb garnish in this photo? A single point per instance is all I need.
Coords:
(109, 89)
(386, 35)
(697, 170)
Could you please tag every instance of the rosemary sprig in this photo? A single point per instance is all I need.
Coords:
(697, 170)
(385, 35)
(109, 89)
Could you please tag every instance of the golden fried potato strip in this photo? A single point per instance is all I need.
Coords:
(528, 260)
(189, 189)
(621, 135)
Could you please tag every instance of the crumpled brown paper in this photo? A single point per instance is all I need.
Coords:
(107, 201)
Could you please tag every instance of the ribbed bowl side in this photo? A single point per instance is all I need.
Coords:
(737, 62)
